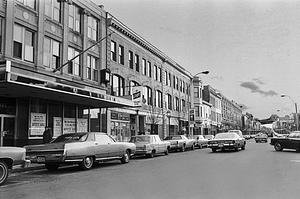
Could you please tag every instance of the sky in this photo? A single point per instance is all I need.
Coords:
(250, 47)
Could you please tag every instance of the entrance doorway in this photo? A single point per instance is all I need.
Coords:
(7, 130)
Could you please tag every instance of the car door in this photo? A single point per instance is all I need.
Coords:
(293, 142)
(102, 146)
(154, 144)
(160, 144)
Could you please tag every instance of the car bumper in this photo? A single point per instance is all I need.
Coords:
(142, 152)
(222, 146)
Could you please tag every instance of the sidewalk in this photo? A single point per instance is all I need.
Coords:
(31, 167)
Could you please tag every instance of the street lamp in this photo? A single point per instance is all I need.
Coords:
(297, 121)
(169, 117)
(203, 72)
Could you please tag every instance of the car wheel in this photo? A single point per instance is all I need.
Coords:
(243, 147)
(193, 147)
(51, 167)
(87, 163)
(3, 172)
(151, 155)
(214, 150)
(167, 152)
(278, 147)
(126, 157)
(182, 149)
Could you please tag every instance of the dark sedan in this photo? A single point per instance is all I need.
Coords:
(227, 141)
(291, 141)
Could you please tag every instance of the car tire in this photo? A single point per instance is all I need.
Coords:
(278, 147)
(182, 149)
(243, 147)
(87, 163)
(167, 151)
(3, 172)
(151, 155)
(214, 150)
(126, 157)
(51, 167)
(193, 147)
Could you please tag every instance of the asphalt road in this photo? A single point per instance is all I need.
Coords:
(257, 172)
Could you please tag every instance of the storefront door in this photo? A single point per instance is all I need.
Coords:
(7, 129)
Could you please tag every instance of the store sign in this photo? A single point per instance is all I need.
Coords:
(37, 124)
(119, 116)
(137, 95)
(56, 126)
(69, 125)
(82, 125)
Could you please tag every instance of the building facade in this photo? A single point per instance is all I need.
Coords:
(231, 115)
(42, 81)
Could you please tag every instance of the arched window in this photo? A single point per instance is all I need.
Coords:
(117, 85)
(158, 99)
(147, 95)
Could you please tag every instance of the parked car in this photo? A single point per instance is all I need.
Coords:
(200, 141)
(247, 137)
(180, 142)
(227, 141)
(80, 148)
(291, 141)
(261, 137)
(150, 145)
(10, 157)
(209, 137)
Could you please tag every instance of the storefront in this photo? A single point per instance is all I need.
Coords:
(120, 126)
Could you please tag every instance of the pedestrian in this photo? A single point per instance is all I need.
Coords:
(47, 135)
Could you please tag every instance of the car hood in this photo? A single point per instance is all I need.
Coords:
(11, 151)
(141, 143)
(224, 139)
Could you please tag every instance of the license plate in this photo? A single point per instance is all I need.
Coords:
(40, 159)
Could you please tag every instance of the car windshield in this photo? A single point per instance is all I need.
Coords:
(140, 139)
(74, 137)
(226, 136)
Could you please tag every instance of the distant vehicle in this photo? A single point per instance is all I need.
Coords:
(200, 141)
(291, 141)
(180, 142)
(80, 148)
(9, 157)
(209, 137)
(261, 137)
(227, 141)
(150, 145)
(247, 137)
(237, 132)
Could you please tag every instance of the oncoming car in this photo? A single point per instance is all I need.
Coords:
(227, 141)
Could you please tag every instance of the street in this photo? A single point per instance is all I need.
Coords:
(257, 172)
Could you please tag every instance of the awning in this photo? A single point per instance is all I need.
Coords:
(20, 89)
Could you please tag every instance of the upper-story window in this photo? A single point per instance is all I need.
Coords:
(130, 59)
(118, 85)
(149, 69)
(176, 103)
(121, 54)
(166, 78)
(180, 88)
(29, 3)
(51, 53)
(132, 85)
(74, 66)
(52, 9)
(183, 87)
(176, 82)
(137, 63)
(113, 51)
(91, 68)
(158, 99)
(74, 18)
(147, 95)
(1, 29)
(144, 67)
(155, 72)
(170, 79)
(23, 43)
(183, 105)
(92, 28)
(197, 110)
(196, 92)
(169, 101)
(159, 75)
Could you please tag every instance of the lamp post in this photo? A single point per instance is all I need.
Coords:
(297, 121)
(169, 117)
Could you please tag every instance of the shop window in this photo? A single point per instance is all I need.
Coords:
(51, 53)
(23, 47)
(95, 120)
(55, 118)
(82, 119)
(52, 9)
(38, 117)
